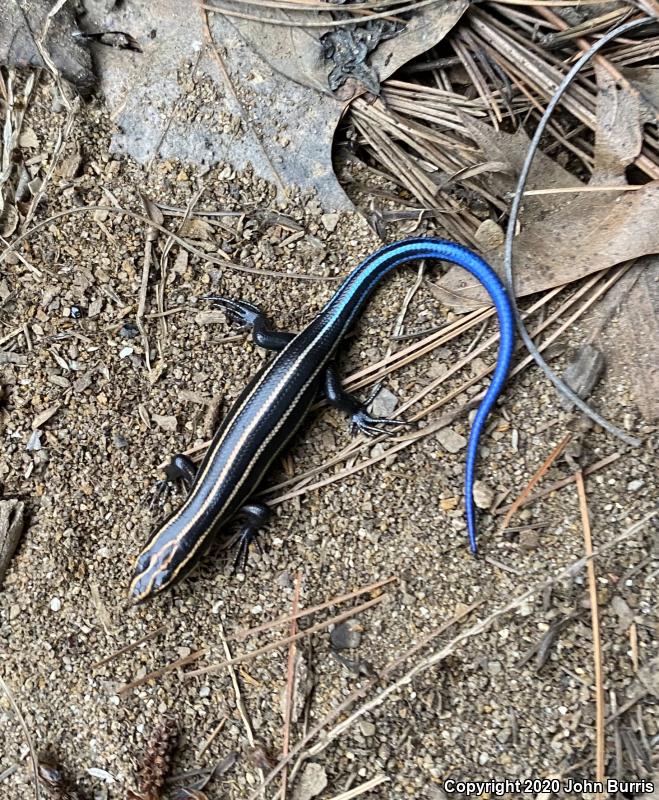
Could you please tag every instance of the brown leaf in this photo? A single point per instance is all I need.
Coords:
(626, 327)
(619, 137)
(280, 68)
(563, 236)
(646, 82)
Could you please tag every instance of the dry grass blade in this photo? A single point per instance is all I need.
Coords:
(241, 635)
(290, 679)
(128, 647)
(332, 23)
(597, 643)
(537, 477)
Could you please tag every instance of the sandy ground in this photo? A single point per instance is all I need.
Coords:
(485, 711)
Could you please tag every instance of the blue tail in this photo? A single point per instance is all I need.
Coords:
(355, 290)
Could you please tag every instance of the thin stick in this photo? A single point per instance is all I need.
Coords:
(240, 705)
(223, 262)
(604, 462)
(332, 23)
(633, 645)
(555, 453)
(448, 649)
(213, 736)
(243, 634)
(289, 684)
(158, 673)
(127, 648)
(28, 738)
(597, 644)
(580, 189)
(281, 642)
(558, 383)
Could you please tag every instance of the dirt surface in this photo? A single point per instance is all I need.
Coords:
(485, 711)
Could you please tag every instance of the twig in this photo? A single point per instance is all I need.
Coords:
(240, 705)
(537, 476)
(158, 673)
(597, 643)
(559, 384)
(580, 189)
(216, 732)
(28, 738)
(332, 23)
(290, 677)
(439, 656)
(633, 645)
(603, 462)
(223, 262)
(127, 648)
(282, 642)
(243, 634)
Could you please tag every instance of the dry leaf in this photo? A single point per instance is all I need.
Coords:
(619, 136)
(563, 236)
(281, 70)
(646, 82)
(626, 327)
(11, 529)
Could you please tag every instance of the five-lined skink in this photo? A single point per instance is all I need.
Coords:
(270, 410)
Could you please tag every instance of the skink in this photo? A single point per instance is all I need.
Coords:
(272, 407)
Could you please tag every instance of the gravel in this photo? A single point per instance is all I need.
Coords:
(64, 617)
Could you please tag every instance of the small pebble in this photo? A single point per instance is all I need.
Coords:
(634, 486)
(330, 221)
(384, 403)
(55, 604)
(346, 636)
(367, 728)
(528, 540)
(451, 441)
(483, 495)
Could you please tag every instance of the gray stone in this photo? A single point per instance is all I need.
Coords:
(450, 440)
